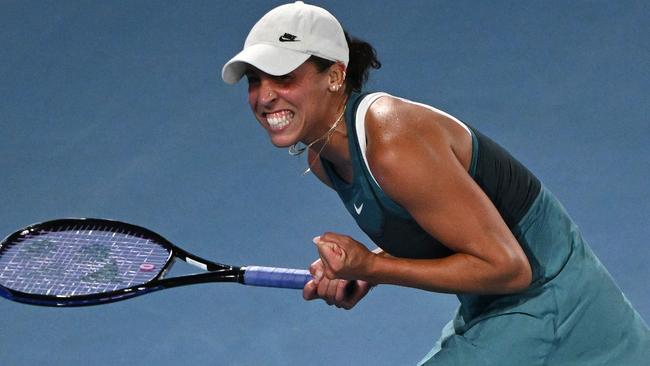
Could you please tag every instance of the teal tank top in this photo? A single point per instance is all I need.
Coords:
(514, 190)
(567, 277)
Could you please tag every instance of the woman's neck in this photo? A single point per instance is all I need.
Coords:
(333, 144)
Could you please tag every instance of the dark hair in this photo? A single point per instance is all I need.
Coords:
(362, 57)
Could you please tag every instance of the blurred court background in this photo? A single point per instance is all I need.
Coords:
(116, 109)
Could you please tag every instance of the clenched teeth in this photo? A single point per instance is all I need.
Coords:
(280, 119)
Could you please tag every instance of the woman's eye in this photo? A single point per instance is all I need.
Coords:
(284, 78)
(252, 79)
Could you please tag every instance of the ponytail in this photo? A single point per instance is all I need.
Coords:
(363, 57)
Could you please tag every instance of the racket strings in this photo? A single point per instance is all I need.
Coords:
(80, 260)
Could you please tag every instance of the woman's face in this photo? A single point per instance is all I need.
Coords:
(290, 107)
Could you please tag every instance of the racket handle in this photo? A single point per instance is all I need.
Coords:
(276, 277)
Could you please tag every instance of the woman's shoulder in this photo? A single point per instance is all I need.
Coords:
(394, 124)
(389, 118)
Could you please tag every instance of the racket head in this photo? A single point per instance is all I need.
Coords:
(75, 262)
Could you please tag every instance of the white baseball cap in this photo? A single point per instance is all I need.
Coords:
(285, 37)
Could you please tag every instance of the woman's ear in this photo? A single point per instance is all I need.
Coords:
(336, 77)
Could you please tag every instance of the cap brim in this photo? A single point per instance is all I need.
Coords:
(272, 60)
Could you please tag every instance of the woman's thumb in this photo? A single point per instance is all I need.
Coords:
(330, 253)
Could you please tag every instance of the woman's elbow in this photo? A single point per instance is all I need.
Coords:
(513, 272)
(519, 275)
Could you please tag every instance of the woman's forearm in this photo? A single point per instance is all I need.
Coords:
(458, 273)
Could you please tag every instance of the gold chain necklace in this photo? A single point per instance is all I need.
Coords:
(294, 150)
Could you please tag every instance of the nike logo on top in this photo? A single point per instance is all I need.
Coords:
(288, 38)
(358, 209)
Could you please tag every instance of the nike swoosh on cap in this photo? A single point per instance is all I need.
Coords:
(287, 37)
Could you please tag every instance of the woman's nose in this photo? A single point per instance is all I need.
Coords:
(267, 93)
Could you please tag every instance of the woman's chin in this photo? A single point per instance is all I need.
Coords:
(281, 142)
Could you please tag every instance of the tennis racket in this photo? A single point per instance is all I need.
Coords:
(78, 262)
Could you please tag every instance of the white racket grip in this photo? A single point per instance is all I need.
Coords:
(276, 277)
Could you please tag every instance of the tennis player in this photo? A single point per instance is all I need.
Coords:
(451, 210)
